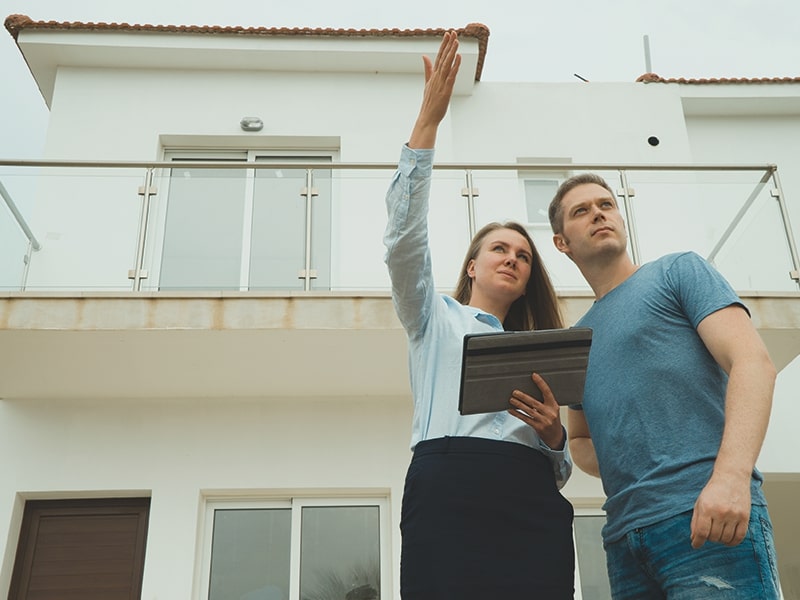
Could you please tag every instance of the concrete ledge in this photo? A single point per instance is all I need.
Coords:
(66, 345)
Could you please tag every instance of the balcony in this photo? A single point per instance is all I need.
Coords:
(191, 279)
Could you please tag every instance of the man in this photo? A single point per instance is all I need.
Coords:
(676, 405)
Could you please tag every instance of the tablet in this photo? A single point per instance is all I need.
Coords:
(495, 364)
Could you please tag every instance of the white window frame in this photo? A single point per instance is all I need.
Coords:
(247, 157)
(296, 502)
(584, 511)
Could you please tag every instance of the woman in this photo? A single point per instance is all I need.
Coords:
(482, 516)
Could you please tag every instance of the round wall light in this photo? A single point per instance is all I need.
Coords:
(251, 124)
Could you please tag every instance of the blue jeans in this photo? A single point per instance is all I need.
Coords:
(658, 562)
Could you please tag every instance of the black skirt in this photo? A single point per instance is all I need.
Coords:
(483, 519)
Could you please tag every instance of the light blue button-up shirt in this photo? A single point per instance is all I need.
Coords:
(436, 324)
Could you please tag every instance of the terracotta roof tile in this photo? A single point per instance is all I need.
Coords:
(653, 78)
(16, 23)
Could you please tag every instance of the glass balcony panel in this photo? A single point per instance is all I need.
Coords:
(448, 223)
(202, 243)
(212, 229)
(700, 211)
(357, 227)
(87, 221)
(277, 248)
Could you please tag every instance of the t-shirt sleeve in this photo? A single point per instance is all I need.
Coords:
(701, 289)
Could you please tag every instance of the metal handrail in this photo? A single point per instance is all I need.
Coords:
(19, 218)
(387, 166)
(740, 215)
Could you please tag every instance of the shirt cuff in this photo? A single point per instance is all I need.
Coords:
(411, 159)
(556, 453)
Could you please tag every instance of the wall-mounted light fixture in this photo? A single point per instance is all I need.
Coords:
(251, 124)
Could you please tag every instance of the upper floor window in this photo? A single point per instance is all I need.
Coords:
(540, 186)
(538, 194)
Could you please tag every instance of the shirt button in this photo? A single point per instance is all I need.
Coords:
(497, 431)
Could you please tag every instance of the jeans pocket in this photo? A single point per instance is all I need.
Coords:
(768, 547)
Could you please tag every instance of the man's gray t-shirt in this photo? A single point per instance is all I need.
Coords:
(655, 397)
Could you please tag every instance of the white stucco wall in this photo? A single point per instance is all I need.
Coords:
(175, 450)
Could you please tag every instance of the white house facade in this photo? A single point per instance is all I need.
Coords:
(199, 360)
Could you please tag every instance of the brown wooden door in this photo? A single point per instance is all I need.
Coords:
(90, 549)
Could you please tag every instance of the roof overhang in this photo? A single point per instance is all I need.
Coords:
(48, 46)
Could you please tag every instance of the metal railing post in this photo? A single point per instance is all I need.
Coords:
(307, 274)
(27, 260)
(626, 193)
(146, 191)
(777, 193)
(470, 193)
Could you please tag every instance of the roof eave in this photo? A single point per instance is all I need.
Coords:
(48, 45)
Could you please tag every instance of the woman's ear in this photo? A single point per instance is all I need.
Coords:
(471, 269)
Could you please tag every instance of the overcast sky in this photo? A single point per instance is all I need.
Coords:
(529, 41)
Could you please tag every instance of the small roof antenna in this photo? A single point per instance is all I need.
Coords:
(647, 66)
(581, 78)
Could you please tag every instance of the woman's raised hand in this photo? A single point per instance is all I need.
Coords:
(440, 77)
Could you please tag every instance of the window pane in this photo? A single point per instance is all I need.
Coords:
(250, 553)
(538, 194)
(203, 235)
(591, 557)
(339, 553)
(279, 229)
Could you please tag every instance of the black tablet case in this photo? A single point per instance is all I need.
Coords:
(495, 364)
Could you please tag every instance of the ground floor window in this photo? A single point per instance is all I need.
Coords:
(309, 548)
(591, 581)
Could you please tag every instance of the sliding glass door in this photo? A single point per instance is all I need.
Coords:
(244, 228)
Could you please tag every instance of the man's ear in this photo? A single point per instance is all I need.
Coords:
(560, 243)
